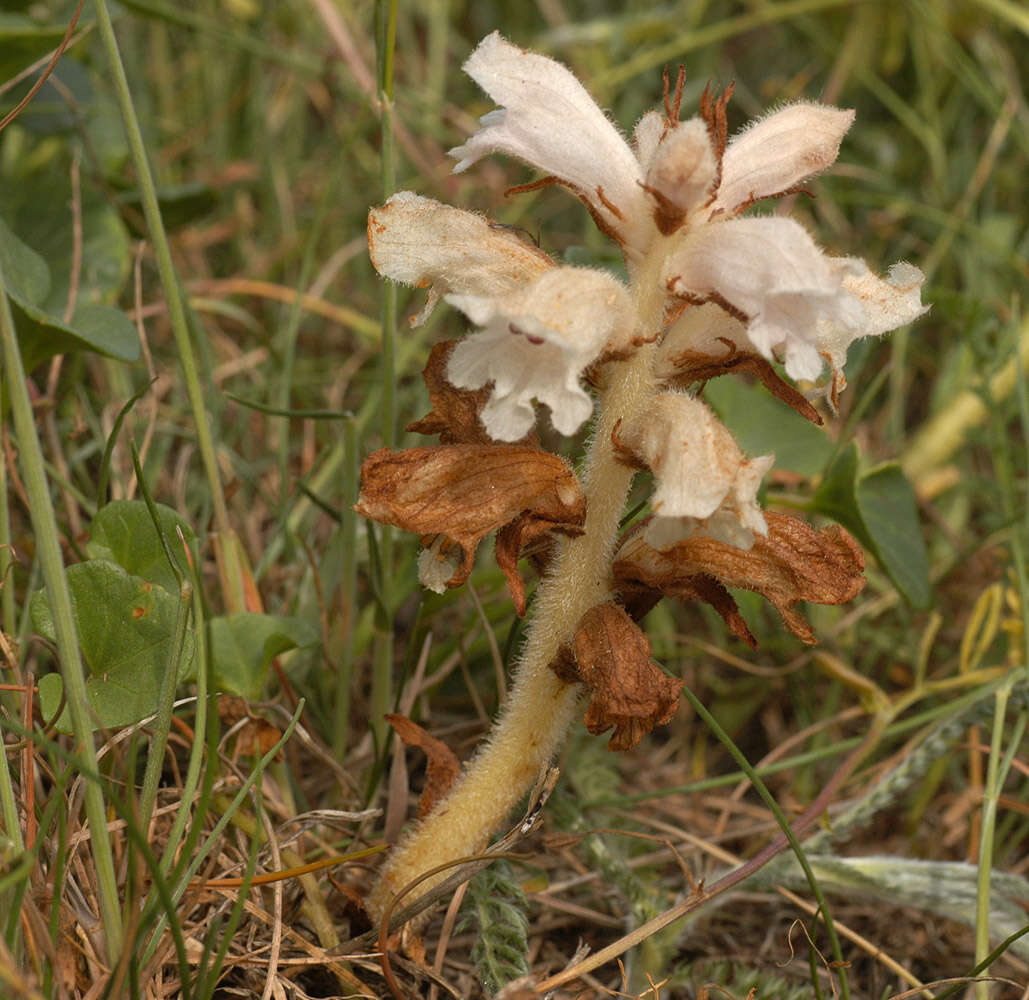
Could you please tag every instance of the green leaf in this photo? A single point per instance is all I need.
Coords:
(97, 328)
(244, 645)
(25, 271)
(880, 509)
(763, 425)
(126, 628)
(36, 303)
(105, 262)
(124, 533)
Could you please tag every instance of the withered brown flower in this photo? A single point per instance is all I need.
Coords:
(454, 495)
(610, 655)
(794, 562)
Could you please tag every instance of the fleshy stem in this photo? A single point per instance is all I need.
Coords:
(540, 706)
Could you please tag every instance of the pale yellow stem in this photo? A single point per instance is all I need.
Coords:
(540, 707)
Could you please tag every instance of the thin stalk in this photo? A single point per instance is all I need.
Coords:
(213, 838)
(996, 772)
(228, 549)
(289, 337)
(196, 754)
(382, 676)
(348, 586)
(9, 805)
(541, 706)
(784, 824)
(48, 549)
(166, 694)
(8, 623)
(8, 614)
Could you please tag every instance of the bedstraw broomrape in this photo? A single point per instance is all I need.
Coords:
(710, 292)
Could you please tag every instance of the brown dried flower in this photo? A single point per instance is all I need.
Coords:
(454, 495)
(794, 562)
(610, 655)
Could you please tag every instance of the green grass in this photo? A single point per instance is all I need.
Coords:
(230, 228)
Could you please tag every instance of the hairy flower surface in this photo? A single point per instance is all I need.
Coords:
(689, 179)
(610, 655)
(535, 343)
(418, 241)
(676, 436)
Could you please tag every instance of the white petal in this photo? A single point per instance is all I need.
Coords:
(535, 343)
(548, 119)
(418, 241)
(724, 525)
(771, 271)
(699, 469)
(888, 304)
(779, 151)
(434, 570)
(682, 170)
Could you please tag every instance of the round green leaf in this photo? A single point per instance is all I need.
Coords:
(123, 532)
(126, 628)
(244, 645)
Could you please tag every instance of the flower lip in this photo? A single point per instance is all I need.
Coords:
(535, 343)
(771, 273)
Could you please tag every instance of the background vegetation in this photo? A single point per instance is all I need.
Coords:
(198, 640)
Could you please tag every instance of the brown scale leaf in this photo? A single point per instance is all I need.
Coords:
(466, 491)
(455, 412)
(793, 563)
(611, 656)
(693, 366)
(442, 767)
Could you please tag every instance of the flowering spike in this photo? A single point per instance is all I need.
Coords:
(710, 292)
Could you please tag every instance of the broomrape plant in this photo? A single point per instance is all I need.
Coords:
(710, 292)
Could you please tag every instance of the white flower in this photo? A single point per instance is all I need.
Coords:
(535, 343)
(685, 180)
(436, 568)
(776, 153)
(548, 120)
(771, 273)
(418, 241)
(887, 305)
(857, 304)
(704, 484)
(680, 173)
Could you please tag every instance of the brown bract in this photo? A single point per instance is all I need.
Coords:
(611, 656)
(455, 412)
(442, 765)
(694, 366)
(465, 491)
(793, 563)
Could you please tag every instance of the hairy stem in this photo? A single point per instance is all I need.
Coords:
(540, 706)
